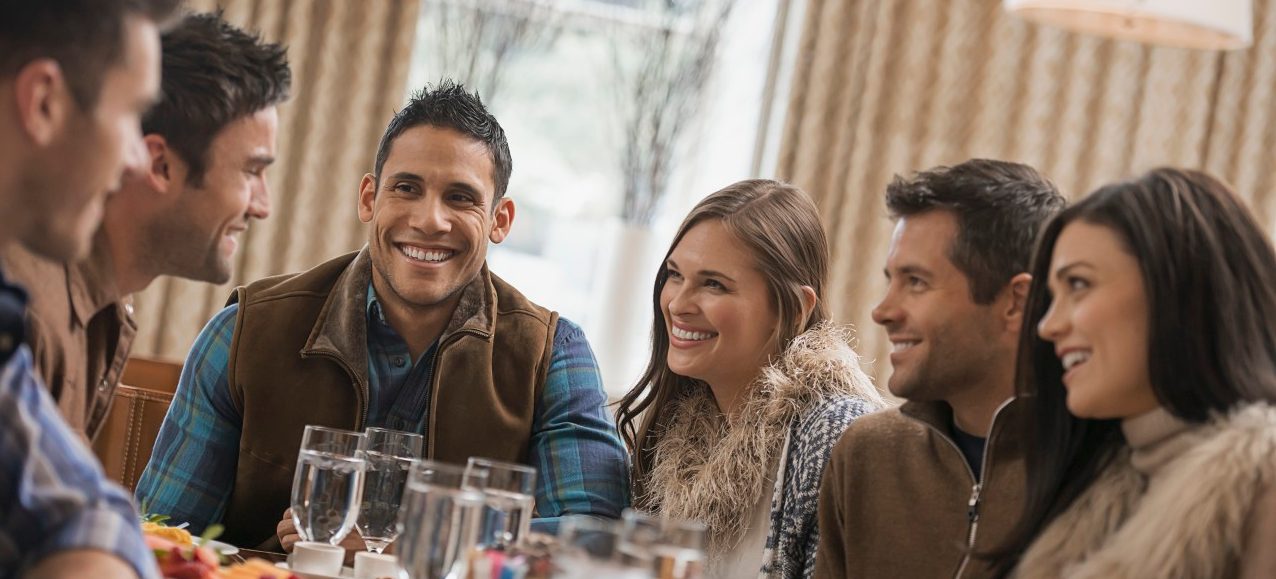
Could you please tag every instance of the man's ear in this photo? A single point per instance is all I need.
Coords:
(503, 219)
(159, 172)
(44, 100)
(367, 197)
(1017, 292)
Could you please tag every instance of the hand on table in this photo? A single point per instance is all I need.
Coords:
(288, 537)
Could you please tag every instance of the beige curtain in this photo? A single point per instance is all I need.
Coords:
(350, 64)
(893, 86)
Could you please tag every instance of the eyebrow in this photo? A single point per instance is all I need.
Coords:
(264, 160)
(910, 269)
(1063, 270)
(703, 272)
(407, 176)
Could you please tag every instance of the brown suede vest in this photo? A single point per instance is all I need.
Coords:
(299, 356)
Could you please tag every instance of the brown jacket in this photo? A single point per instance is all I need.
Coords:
(299, 356)
(899, 500)
(79, 328)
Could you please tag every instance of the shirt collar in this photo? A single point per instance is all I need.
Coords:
(374, 307)
(92, 283)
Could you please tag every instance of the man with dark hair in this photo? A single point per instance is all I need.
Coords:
(923, 489)
(410, 333)
(208, 143)
(75, 79)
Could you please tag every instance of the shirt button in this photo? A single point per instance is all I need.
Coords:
(398, 361)
(101, 386)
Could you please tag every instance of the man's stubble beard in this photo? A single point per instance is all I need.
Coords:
(173, 250)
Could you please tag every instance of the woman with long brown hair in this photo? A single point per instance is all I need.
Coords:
(749, 385)
(1149, 356)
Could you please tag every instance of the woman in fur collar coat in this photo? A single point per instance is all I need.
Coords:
(749, 386)
(1149, 351)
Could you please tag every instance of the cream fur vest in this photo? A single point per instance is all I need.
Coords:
(713, 470)
(1188, 521)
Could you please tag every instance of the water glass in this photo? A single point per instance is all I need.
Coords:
(673, 549)
(328, 485)
(389, 454)
(508, 501)
(592, 547)
(439, 520)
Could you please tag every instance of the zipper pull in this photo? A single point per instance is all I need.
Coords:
(973, 511)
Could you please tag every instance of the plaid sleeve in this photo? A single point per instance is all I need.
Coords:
(582, 467)
(53, 494)
(192, 468)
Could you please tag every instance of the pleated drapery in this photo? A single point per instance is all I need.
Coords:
(350, 65)
(893, 86)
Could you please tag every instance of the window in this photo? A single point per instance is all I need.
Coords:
(557, 100)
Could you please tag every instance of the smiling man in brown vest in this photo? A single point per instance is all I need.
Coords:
(411, 333)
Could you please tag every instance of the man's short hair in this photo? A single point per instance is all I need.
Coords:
(214, 74)
(1000, 208)
(85, 37)
(448, 105)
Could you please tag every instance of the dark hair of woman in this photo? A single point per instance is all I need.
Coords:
(781, 227)
(1210, 275)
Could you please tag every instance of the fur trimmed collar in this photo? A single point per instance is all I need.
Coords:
(713, 470)
(1186, 520)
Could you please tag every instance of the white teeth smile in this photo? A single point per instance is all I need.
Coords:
(691, 336)
(1073, 358)
(897, 347)
(425, 255)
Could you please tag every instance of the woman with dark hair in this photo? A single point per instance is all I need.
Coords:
(748, 386)
(1149, 353)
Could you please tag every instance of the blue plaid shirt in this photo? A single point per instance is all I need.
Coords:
(581, 463)
(53, 495)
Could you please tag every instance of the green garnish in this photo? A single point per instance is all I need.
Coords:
(210, 533)
(154, 518)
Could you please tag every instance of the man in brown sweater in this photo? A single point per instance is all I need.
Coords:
(209, 139)
(921, 490)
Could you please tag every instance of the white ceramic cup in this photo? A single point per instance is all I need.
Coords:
(317, 558)
(375, 565)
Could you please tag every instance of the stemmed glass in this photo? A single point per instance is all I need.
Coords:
(592, 547)
(389, 454)
(674, 548)
(328, 485)
(508, 501)
(439, 520)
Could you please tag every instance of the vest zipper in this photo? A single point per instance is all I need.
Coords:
(976, 488)
(972, 515)
(428, 395)
(362, 390)
(432, 391)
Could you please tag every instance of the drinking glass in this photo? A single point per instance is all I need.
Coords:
(328, 486)
(673, 548)
(592, 547)
(508, 501)
(390, 454)
(439, 520)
